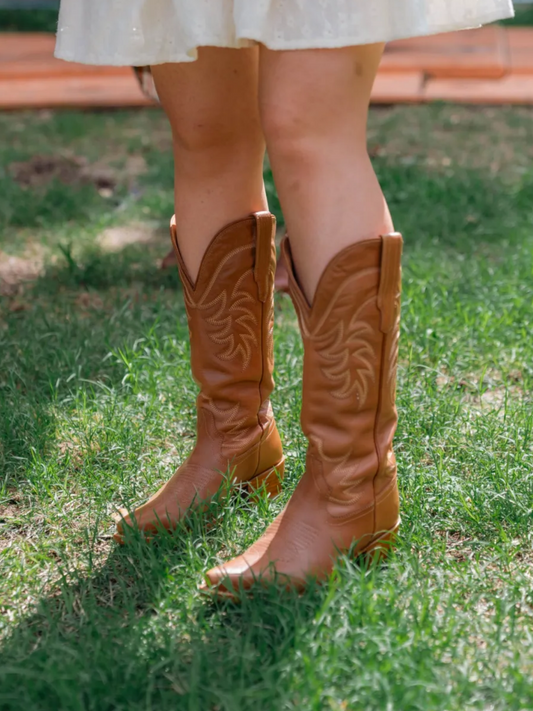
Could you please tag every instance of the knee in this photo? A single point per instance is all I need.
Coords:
(304, 127)
(300, 133)
(286, 129)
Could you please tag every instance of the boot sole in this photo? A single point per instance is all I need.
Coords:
(271, 481)
(380, 546)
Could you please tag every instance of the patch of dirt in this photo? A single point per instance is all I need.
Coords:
(72, 169)
(14, 271)
(497, 398)
(73, 449)
(13, 524)
(114, 239)
(9, 511)
(89, 301)
(454, 138)
(457, 546)
(497, 393)
(41, 169)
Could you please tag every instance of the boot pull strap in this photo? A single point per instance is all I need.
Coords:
(389, 282)
(265, 224)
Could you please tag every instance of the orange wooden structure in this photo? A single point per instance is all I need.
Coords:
(492, 65)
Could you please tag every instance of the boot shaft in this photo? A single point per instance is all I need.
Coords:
(350, 336)
(230, 313)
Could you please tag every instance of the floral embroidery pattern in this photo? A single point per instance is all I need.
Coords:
(231, 422)
(347, 489)
(232, 320)
(340, 348)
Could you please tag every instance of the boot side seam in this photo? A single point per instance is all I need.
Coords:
(376, 421)
(262, 351)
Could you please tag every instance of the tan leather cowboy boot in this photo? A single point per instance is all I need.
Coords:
(230, 314)
(347, 500)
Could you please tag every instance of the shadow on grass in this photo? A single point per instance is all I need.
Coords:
(135, 634)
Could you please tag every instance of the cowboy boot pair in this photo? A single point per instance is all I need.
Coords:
(347, 499)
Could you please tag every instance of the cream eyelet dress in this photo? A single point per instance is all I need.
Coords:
(144, 32)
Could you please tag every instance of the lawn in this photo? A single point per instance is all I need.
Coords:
(97, 409)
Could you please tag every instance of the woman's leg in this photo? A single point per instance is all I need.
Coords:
(314, 108)
(229, 255)
(218, 143)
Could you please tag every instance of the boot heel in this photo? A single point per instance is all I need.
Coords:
(378, 550)
(272, 479)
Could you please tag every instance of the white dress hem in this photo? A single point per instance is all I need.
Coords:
(248, 38)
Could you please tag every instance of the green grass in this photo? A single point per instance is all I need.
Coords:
(28, 20)
(96, 410)
(524, 15)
